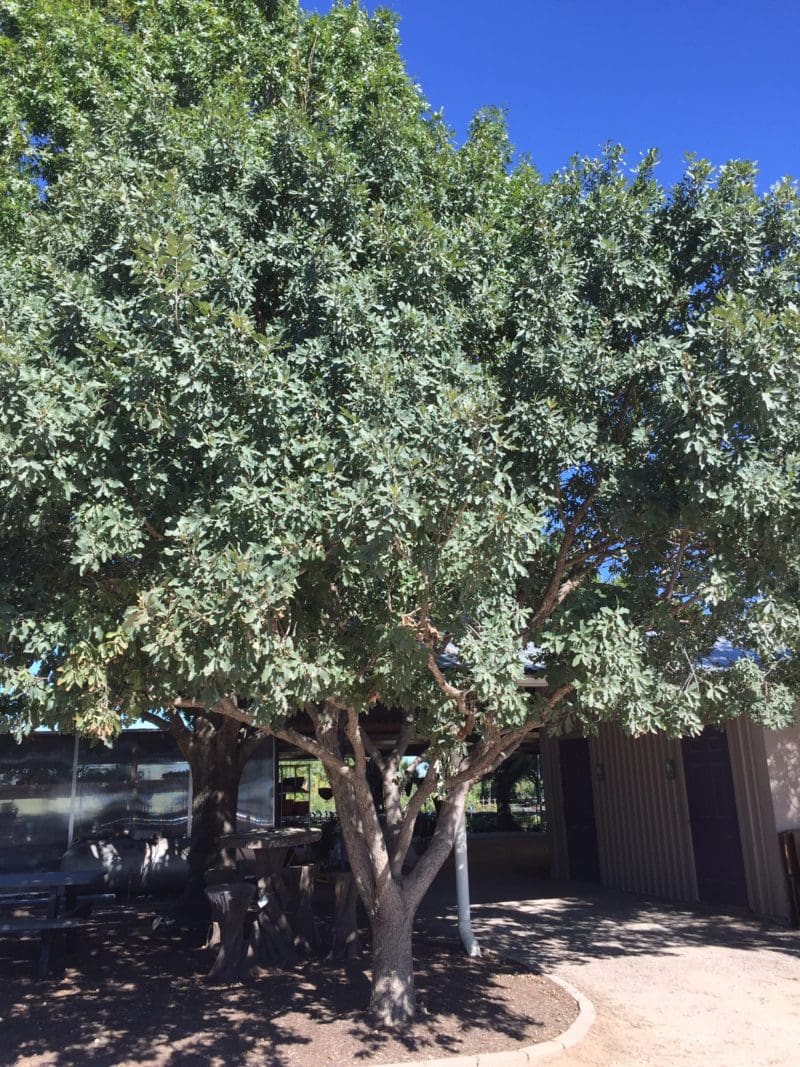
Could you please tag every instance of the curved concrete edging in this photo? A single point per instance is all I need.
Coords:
(521, 1057)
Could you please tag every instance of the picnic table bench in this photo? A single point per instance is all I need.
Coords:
(66, 910)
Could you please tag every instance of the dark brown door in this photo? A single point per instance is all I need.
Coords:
(576, 787)
(714, 821)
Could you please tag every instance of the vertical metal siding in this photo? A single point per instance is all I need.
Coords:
(642, 816)
(766, 885)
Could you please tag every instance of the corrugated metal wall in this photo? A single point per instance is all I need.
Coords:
(643, 830)
(642, 815)
(766, 882)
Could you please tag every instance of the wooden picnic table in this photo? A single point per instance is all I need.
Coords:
(60, 888)
(271, 847)
(274, 939)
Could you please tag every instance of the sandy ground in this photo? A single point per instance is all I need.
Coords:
(671, 985)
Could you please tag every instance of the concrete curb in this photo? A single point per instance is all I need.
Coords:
(521, 1057)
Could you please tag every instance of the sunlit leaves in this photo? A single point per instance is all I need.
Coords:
(291, 385)
(245, 433)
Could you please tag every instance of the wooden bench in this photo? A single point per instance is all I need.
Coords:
(10, 901)
(47, 928)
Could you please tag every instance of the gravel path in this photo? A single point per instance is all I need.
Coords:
(671, 985)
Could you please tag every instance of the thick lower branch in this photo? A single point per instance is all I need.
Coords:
(418, 881)
(401, 841)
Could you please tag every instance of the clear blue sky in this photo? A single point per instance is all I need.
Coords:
(717, 77)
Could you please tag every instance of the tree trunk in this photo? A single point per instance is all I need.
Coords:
(393, 1002)
(505, 778)
(215, 795)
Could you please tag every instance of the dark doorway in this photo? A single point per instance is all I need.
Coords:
(581, 829)
(715, 824)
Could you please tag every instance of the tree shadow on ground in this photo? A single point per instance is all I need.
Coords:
(570, 923)
(130, 996)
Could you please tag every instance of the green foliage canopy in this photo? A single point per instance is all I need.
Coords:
(295, 392)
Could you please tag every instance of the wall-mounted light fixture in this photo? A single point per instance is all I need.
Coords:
(669, 767)
(600, 772)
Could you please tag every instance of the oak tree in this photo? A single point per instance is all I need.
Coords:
(306, 408)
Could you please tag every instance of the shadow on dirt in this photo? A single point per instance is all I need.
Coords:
(130, 996)
(547, 923)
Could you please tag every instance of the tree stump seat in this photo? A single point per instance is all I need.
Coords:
(272, 938)
(299, 880)
(229, 905)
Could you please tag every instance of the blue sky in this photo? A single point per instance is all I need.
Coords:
(720, 78)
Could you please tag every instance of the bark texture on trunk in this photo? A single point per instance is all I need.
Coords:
(506, 777)
(393, 1002)
(213, 748)
(377, 850)
(215, 794)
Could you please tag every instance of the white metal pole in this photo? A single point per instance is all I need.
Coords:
(465, 931)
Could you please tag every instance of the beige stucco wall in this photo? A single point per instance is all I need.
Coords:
(783, 762)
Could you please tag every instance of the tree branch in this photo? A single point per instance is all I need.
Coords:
(484, 757)
(550, 600)
(418, 881)
(353, 731)
(226, 707)
(402, 839)
(371, 836)
(459, 696)
(157, 535)
(249, 746)
(686, 604)
(676, 567)
(421, 758)
(372, 749)
(404, 739)
(172, 725)
(332, 763)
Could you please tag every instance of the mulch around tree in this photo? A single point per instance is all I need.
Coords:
(130, 996)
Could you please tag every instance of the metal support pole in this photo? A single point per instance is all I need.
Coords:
(73, 794)
(465, 931)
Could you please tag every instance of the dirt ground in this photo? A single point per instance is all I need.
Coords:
(130, 996)
(672, 986)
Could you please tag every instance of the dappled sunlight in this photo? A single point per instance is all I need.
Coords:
(481, 1009)
(130, 995)
(549, 930)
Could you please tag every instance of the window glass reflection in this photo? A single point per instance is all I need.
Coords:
(35, 787)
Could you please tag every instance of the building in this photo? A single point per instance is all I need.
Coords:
(56, 789)
(695, 819)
